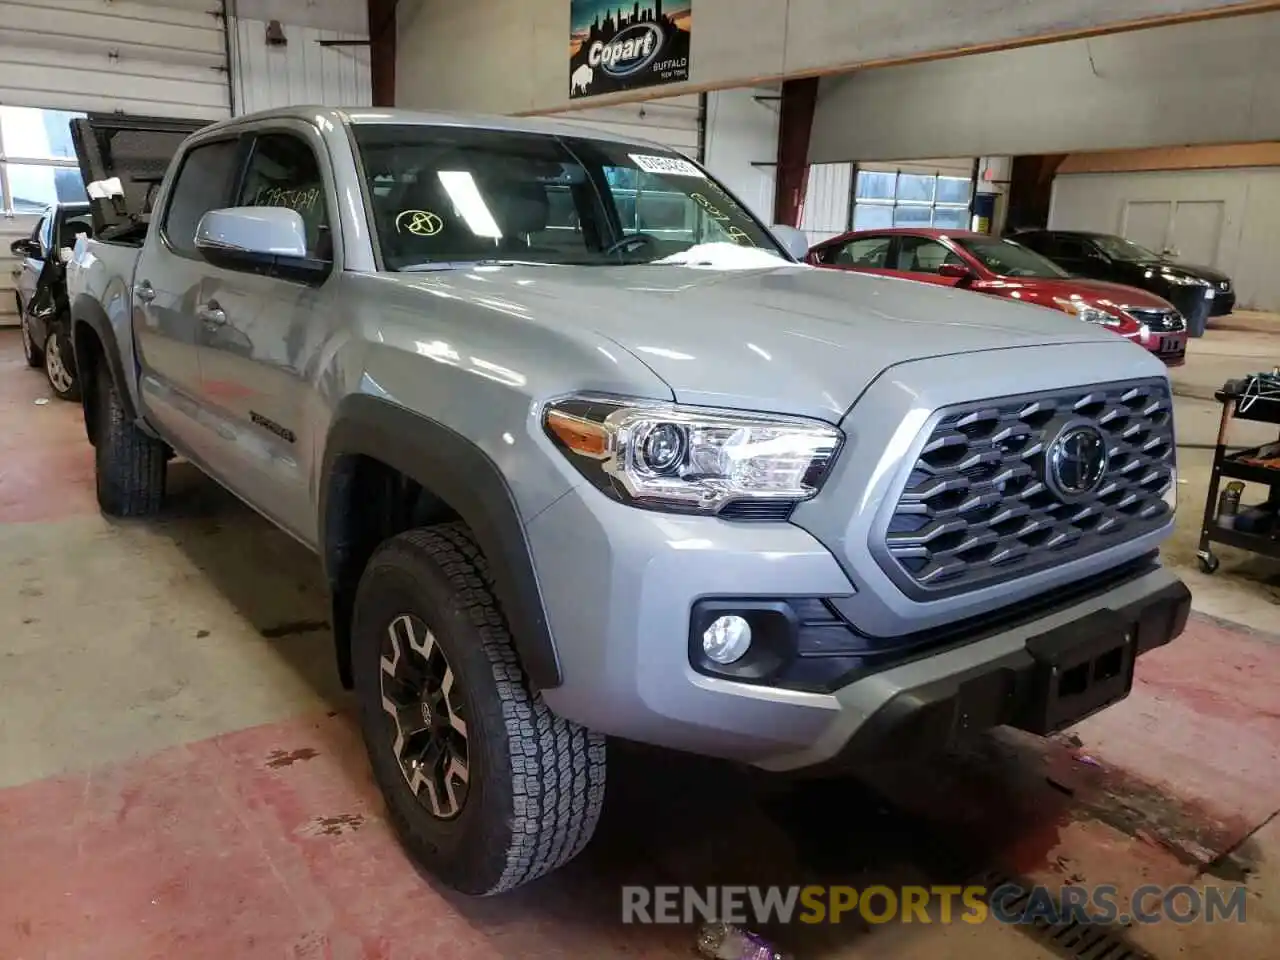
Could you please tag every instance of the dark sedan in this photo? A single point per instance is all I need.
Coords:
(1197, 291)
(42, 293)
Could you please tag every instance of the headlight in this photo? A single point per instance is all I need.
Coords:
(1089, 314)
(1185, 281)
(690, 459)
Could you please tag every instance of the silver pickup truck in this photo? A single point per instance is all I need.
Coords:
(585, 452)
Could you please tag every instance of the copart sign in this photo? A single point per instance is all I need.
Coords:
(615, 45)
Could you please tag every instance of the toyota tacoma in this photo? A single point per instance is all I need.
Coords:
(586, 453)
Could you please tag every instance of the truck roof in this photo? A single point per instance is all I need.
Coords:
(355, 116)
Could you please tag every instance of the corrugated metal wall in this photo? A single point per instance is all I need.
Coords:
(303, 71)
(825, 212)
(674, 122)
(138, 57)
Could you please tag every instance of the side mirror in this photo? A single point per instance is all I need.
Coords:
(25, 247)
(955, 271)
(793, 240)
(259, 239)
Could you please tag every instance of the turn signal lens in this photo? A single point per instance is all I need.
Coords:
(580, 435)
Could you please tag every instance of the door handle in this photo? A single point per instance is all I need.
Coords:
(212, 315)
(144, 291)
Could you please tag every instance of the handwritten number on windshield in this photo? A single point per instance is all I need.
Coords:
(736, 234)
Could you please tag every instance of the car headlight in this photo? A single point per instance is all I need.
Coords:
(1089, 314)
(1185, 281)
(691, 459)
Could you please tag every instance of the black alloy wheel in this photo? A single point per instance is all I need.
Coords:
(426, 714)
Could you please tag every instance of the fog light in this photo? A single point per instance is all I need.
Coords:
(727, 639)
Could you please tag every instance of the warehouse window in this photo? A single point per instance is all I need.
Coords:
(37, 160)
(889, 198)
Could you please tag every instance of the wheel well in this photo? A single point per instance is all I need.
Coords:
(368, 502)
(88, 356)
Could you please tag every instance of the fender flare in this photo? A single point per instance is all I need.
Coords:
(454, 469)
(87, 312)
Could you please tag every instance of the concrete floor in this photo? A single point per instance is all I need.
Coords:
(180, 776)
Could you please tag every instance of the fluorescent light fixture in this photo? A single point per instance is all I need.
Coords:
(461, 187)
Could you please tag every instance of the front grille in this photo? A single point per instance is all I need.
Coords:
(977, 507)
(1158, 320)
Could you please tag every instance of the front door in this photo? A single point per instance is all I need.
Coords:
(919, 258)
(30, 266)
(168, 283)
(261, 341)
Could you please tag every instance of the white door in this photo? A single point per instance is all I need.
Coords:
(1197, 229)
(141, 57)
(1146, 222)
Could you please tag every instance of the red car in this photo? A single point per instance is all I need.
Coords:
(1002, 268)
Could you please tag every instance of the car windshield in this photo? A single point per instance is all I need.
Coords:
(441, 196)
(1008, 259)
(1118, 248)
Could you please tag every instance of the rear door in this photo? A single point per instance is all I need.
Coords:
(170, 282)
(261, 336)
(863, 254)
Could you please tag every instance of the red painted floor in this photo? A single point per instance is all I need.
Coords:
(269, 842)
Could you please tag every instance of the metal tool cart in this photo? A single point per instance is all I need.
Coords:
(1254, 528)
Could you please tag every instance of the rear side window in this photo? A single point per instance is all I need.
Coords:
(283, 172)
(201, 186)
(870, 252)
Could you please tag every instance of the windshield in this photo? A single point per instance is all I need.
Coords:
(1008, 259)
(1118, 248)
(441, 195)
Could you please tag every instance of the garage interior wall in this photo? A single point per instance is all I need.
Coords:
(1141, 89)
(742, 144)
(324, 59)
(1228, 217)
(674, 122)
(138, 56)
(511, 56)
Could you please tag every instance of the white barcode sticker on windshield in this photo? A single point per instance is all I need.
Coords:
(671, 166)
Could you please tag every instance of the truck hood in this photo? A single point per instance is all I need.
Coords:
(792, 339)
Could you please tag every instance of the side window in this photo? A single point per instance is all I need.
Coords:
(871, 252)
(1070, 248)
(201, 186)
(283, 172)
(922, 255)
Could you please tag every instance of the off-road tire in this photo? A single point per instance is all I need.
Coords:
(536, 781)
(129, 465)
(32, 353)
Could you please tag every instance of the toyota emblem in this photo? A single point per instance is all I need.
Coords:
(1076, 460)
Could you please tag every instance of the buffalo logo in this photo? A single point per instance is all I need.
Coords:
(629, 52)
(1076, 461)
(420, 223)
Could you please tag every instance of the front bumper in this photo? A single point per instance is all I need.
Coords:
(620, 585)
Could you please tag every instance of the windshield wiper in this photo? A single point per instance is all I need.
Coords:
(432, 266)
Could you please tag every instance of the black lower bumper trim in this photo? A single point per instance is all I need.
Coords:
(1057, 679)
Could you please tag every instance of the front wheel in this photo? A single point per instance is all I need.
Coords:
(485, 786)
(59, 367)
